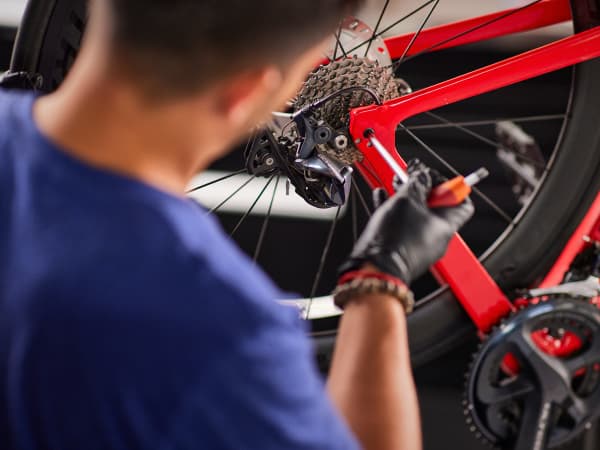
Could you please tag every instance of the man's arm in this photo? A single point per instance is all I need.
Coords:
(370, 380)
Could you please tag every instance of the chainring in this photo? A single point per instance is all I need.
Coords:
(342, 75)
(535, 381)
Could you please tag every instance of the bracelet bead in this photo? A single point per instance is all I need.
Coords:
(359, 283)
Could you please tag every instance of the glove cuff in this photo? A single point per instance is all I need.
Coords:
(391, 264)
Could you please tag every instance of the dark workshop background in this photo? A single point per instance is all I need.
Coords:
(441, 383)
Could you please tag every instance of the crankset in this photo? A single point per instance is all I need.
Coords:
(535, 381)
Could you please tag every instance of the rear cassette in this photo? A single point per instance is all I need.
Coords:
(341, 77)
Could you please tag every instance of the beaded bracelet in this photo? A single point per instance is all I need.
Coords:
(361, 282)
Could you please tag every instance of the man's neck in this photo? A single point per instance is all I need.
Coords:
(108, 127)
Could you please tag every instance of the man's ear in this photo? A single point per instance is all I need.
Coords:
(249, 94)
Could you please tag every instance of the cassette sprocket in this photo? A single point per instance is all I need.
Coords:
(343, 75)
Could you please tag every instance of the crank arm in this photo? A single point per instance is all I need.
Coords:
(588, 288)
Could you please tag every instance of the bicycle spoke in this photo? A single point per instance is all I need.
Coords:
(388, 28)
(483, 139)
(372, 173)
(247, 213)
(471, 30)
(338, 44)
(448, 166)
(263, 231)
(376, 29)
(415, 36)
(226, 177)
(362, 199)
(478, 123)
(354, 207)
(220, 205)
(324, 256)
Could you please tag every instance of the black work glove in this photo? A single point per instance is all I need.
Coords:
(404, 237)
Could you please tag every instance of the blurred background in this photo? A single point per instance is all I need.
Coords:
(441, 383)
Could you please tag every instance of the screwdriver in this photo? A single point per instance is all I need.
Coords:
(450, 193)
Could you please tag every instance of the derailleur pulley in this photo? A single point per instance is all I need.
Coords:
(322, 181)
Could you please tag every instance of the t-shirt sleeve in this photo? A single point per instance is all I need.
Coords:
(265, 394)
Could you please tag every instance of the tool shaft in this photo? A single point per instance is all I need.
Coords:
(389, 159)
(450, 193)
(477, 176)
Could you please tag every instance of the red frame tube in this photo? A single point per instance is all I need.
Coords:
(589, 227)
(542, 14)
(460, 269)
(549, 58)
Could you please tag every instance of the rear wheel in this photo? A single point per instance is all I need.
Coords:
(519, 252)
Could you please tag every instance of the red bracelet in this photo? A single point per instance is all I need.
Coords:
(360, 282)
(363, 274)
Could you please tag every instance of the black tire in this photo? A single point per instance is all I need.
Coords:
(47, 44)
(48, 39)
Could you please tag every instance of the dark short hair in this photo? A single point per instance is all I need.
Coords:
(181, 45)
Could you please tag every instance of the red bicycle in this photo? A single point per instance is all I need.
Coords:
(531, 295)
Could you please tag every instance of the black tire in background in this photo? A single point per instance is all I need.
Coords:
(47, 44)
(48, 39)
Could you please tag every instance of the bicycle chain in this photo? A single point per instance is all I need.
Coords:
(344, 74)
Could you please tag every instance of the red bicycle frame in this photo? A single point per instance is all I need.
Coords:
(478, 293)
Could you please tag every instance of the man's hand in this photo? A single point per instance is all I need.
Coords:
(405, 237)
(370, 380)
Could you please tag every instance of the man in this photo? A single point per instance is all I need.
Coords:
(128, 319)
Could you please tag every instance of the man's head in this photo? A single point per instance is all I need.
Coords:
(162, 88)
(181, 46)
(223, 64)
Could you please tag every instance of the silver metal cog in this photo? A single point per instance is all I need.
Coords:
(355, 68)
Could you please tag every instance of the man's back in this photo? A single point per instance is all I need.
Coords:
(128, 320)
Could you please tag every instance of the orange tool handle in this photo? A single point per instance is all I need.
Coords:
(450, 193)
(455, 191)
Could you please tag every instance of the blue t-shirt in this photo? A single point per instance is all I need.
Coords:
(128, 320)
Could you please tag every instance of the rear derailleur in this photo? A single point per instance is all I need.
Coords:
(297, 150)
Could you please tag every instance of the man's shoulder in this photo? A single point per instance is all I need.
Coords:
(149, 258)
(13, 107)
(142, 283)
(11, 102)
